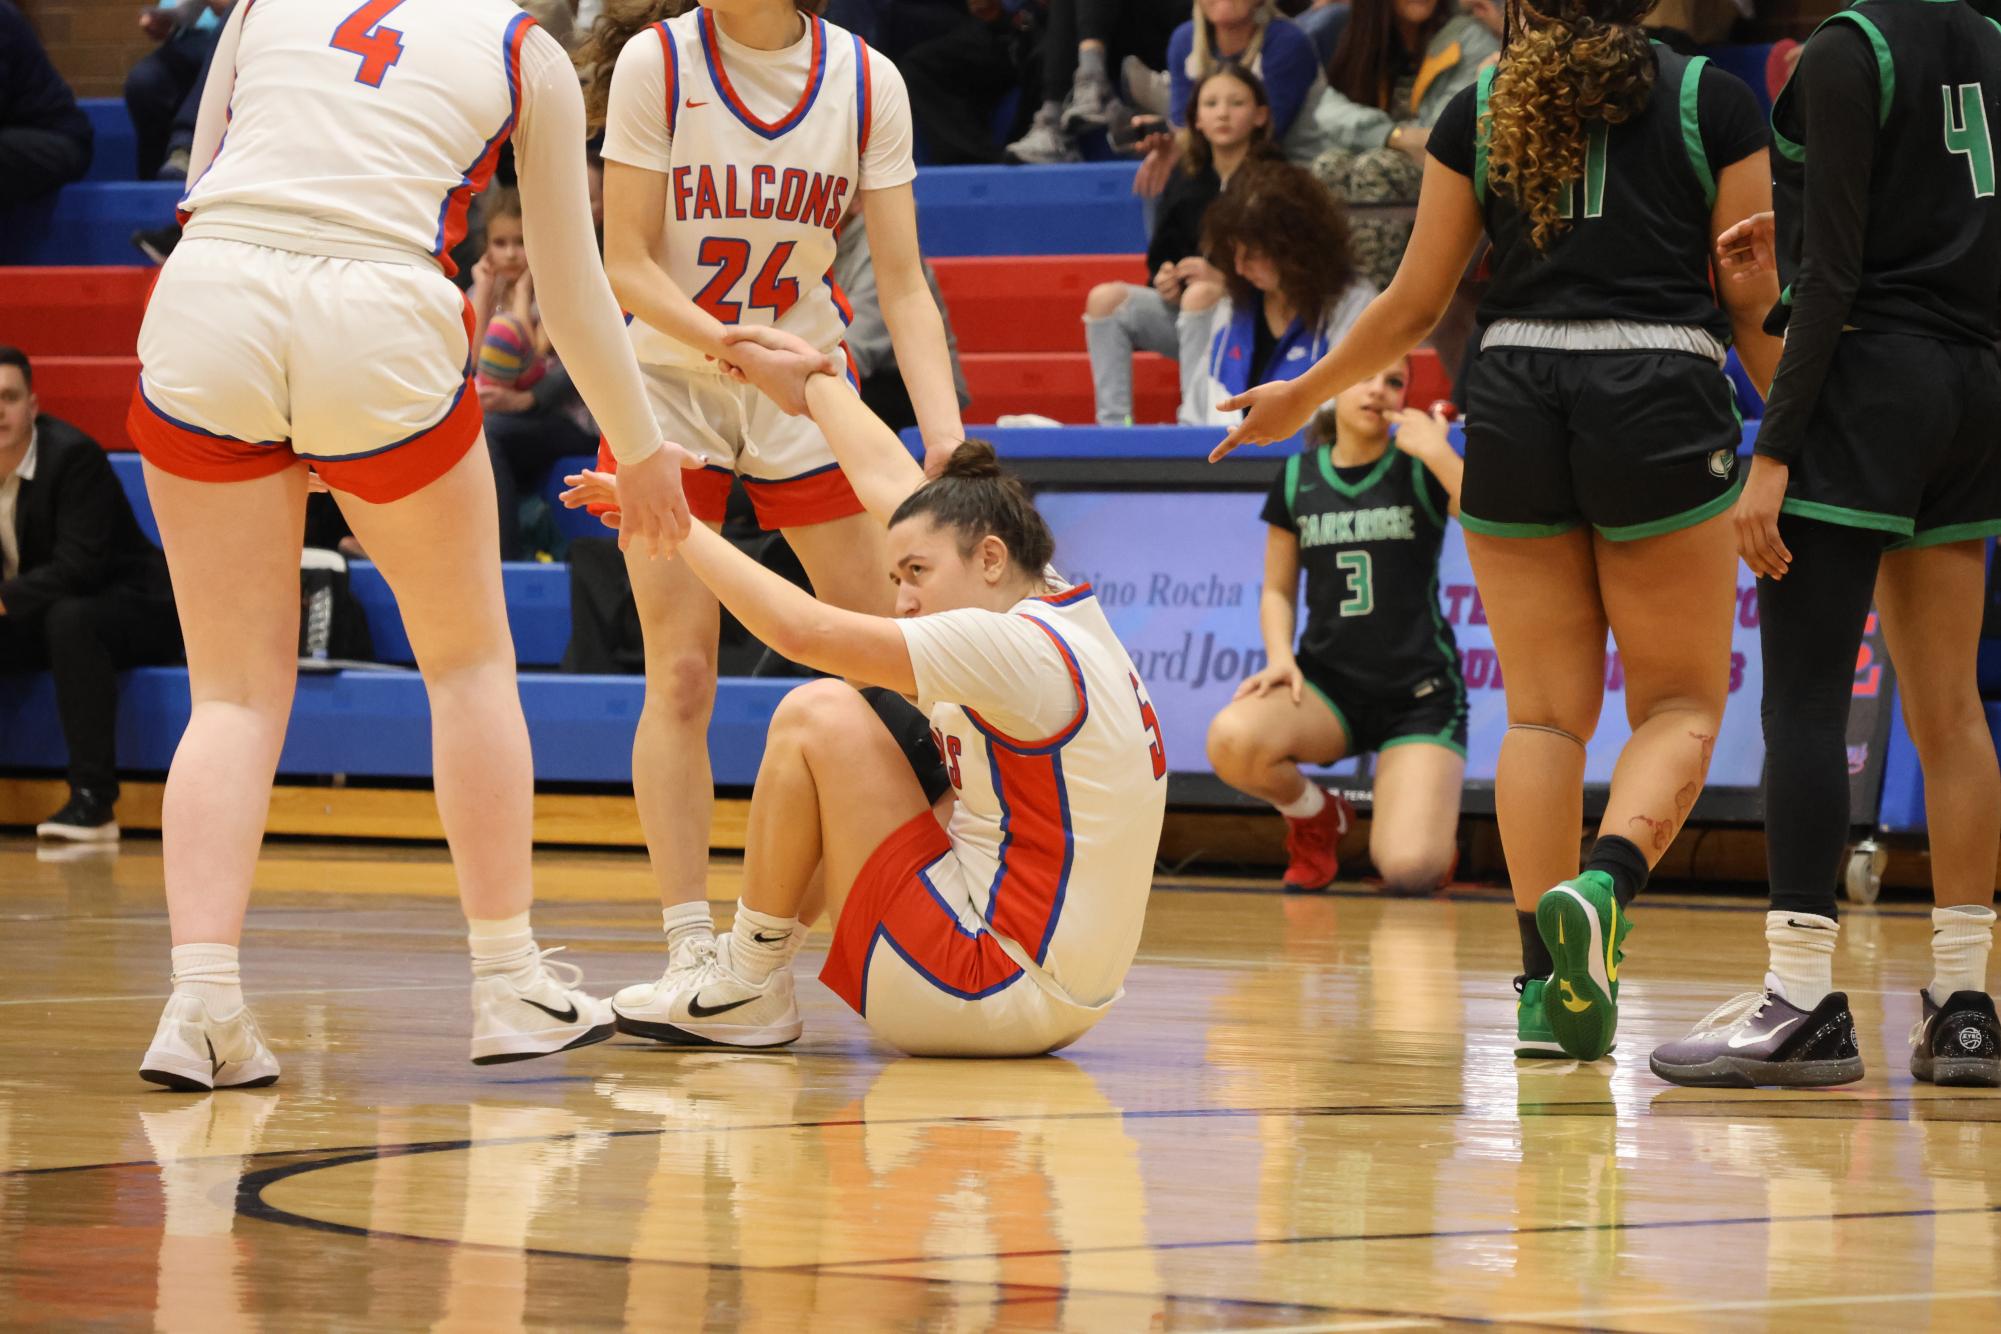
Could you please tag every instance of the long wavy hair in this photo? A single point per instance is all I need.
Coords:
(1196, 155)
(1283, 213)
(1564, 67)
(1363, 67)
(619, 23)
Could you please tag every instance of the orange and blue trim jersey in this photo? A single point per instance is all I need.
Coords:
(365, 131)
(765, 154)
(1052, 744)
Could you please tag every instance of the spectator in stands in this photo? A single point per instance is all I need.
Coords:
(45, 138)
(1230, 121)
(1289, 288)
(1324, 21)
(1083, 44)
(165, 86)
(1376, 670)
(83, 594)
(1250, 33)
(1398, 64)
(534, 415)
(959, 77)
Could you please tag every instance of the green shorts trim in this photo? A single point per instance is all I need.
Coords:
(1489, 528)
(1958, 532)
(1674, 523)
(1847, 518)
(1443, 740)
(1347, 729)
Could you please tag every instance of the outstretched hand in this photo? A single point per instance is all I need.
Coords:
(644, 502)
(1757, 519)
(777, 364)
(1272, 412)
(1748, 249)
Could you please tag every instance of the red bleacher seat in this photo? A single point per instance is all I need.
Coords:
(1026, 303)
(73, 312)
(1058, 385)
(90, 393)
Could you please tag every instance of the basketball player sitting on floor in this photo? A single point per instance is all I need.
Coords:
(1008, 933)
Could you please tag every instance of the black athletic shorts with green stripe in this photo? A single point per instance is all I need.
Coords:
(1905, 439)
(1430, 713)
(1633, 443)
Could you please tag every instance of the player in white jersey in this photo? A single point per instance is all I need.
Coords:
(738, 135)
(307, 321)
(1007, 932)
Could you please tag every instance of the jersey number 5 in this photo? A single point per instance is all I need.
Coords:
(1148, 719)
(730, 256)
(378, 47)
(1966, 132)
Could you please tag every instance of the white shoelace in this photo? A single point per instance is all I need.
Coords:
(564, 973)
(1735, 1011)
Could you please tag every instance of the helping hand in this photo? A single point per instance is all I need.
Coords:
(1748, 249)
(1278, 676)
(1757, 518)
(650, 509)
(1272, 412)
(777, 364)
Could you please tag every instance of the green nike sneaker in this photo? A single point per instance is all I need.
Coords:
(1534, 1039)
(1586, 934)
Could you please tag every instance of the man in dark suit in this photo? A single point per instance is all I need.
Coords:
(83, 594)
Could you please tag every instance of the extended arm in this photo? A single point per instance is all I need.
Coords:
(915, 328)
(1743, 191)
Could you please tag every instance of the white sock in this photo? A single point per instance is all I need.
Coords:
(1802, 956)
(686, 922)
(761, 944)
(1306, 805)
(210, 972)
(502, 945)
(1961, 938)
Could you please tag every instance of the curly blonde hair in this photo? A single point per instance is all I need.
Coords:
(1583, 61)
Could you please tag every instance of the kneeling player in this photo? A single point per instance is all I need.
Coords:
(1009, 932)
(1377, 669)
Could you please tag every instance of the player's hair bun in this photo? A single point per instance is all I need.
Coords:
(974, 460)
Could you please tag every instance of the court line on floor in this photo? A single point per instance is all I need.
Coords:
(289, 991)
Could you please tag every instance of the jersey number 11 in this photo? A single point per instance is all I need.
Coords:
(1966, 132)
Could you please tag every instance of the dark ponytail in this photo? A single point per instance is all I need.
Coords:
(977, 498)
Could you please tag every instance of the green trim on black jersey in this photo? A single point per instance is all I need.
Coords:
(1691, 126)
(1674, 523)
(1292, 488)
(1376, 473)
(1441, 635)
(1418, 482)
(1848, 518)
(1483, 90)
(1958, 532)
(1886, 65)
(1490, 528)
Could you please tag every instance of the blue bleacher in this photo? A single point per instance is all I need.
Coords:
(114, 154)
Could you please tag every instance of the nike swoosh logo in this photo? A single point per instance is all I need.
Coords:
(1570, 1001)
(763, 939)
(692, 104)
(1559, 930)
(1611, 939)
(568, 1016)
(1747, 1039)
(697, 1010)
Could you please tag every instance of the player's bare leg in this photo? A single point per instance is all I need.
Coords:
(1256, 745)
(1414, 817)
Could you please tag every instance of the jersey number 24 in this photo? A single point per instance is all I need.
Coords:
(361, 33)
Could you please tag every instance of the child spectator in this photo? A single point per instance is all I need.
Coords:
(1376, 669)
(1288, 288)
(1399, 62)
(45, 139)
(1250, 33)
(1229, 121)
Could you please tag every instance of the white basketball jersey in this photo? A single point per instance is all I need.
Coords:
(753, 203)
(371, 126)
(1057, 834)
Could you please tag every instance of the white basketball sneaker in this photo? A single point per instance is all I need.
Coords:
(193, 1051)
(684, 962)
(519, 1021)
(713, 1006)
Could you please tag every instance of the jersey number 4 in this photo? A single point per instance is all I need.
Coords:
(1966, 132)
(730, 257)
(361, 34)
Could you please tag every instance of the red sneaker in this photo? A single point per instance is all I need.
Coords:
(1313, 846)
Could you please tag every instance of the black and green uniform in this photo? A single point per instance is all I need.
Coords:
(1598, 395)
(1887, 406)
(1376, 647)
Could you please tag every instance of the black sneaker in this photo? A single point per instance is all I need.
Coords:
(1760, 1038)
(86, 818)
(1958, 1043)
(158, 242)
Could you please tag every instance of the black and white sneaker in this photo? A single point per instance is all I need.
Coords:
(1959, 1043)
(1759, 1039)
(85, 818)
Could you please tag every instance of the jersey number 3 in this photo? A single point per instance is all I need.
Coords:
(360, 34)
(1966, 132)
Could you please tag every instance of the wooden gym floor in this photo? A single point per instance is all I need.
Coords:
(1303, 1116)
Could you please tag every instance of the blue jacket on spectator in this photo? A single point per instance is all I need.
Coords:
(1285, 60)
